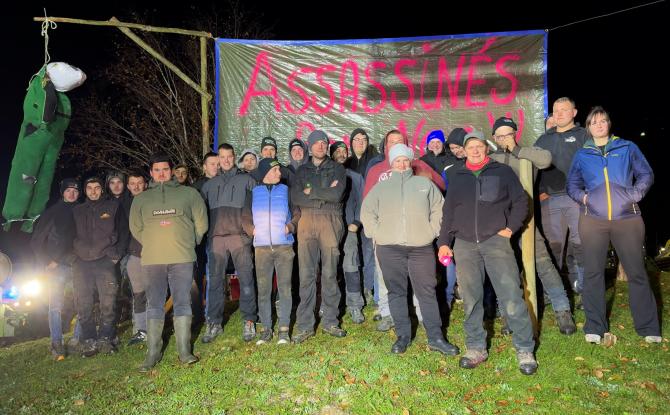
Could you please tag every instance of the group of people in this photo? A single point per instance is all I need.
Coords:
(379, 218)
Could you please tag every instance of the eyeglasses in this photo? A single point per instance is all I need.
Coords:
(500, 137)
(360, 139)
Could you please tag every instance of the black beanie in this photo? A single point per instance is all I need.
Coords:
(268, 141)
(69, 183)
(503, 121)
(264, 167)
(337, 145)
(358, 131)
(456, 136)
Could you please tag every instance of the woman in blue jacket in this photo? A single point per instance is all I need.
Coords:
(608, 177)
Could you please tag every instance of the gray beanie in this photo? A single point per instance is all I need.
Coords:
(316, 136)
(400, 150)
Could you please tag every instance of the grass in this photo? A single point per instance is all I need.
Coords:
(354, 375)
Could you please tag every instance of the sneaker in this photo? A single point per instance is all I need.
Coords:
(248, 331)
(283, 336)
(302, 336)
(473, 358)
(88, 348)
(357, 316)
(58, 351)
(653, 339)
(139, 337)
(593, 338)
(105, 346)
(385, 324)
(565, 323)
(527, 362)
(211, 332)
(334, 331)
(265, 337)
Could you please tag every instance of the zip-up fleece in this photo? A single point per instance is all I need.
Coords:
(102, 230)
(562, 147)
(322, 197)
(169, 220)
(53, 234)
(267, 213)
(403, 210)
(226, 195)
(477, 208)
(614, 182)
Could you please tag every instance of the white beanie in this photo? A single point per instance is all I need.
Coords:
(400, 150)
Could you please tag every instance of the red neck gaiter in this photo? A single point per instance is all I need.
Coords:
(477, 167)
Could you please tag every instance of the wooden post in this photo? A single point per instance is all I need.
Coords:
(528, 243)
(113, 22)
(204, 100)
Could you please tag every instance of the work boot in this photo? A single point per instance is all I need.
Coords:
(401, 344)
(182, 332)
(211, 332)
(58, 351)
(443, 346)
(473, 358)
(527, 362)
(385, 324)
(154, 344)
(357, 316)
(87, 348)
(565, 323)
(334, 331)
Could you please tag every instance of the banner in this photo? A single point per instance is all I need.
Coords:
(285, 89)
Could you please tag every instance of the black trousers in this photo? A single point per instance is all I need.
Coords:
(89, 277)
(627, 237)
(397, 263)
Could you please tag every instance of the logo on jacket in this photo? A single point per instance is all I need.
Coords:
(570, 139)
(161, 212)
(165, 223)
(105, 216)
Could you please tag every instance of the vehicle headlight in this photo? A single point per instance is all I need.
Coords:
(31, 289)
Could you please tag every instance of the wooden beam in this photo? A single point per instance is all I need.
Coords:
(204, 101)
(116, 23)
(528, 244)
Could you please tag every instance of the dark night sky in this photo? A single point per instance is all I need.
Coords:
(612, 61)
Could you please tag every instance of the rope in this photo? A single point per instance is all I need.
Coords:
(607, 14)
(46, 25)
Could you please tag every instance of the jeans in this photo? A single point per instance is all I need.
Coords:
(548, 274)
(59, 278)
(368, 252)
(89, 277)
(279, 258)
(627, 237)
(559, 214)
(138, 284)
(450, 273)
(495, 257)
(179, 277)
(223, 247)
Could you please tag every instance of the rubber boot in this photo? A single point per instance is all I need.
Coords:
(182, 332)
(154, 344)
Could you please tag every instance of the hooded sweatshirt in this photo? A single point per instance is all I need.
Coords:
(294, 164)
(360, 165)
(54, 233)
(240, 165)
(381, 170)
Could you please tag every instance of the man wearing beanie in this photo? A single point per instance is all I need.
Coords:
(510, 153)
(51, 242)
(436, 154)
(297, 154)
(169, 220)
(318, 190)
(361, 151)
(100, 242)
(248, 161)
(484, 207)
(402, 215)
(226, 195)
(353, 197)
(272, 219)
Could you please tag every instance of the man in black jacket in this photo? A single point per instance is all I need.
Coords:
(361, 151)
(484, 206)
(318, 190)
(52, 244)
(99, 244)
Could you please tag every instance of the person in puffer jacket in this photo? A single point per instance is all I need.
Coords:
(608, 177)
(270, 217)
(402, 215)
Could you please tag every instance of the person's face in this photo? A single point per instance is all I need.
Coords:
(93, 190)
(435, 146)
(181, 174)
(550, 123)
(70, 195)
(161, 172)
(136, 185)
(503, 133)
(297, 153)
(564, 114)
(211, 166)
(394, 139)
(599, 126)
(475, 151)
(268, 152)
(340, 155)
(115, 186)
(400, 164)
(249, 162)
(457, 151)
(226, 159)
(359, 143)
(319, 149)
(273, 176)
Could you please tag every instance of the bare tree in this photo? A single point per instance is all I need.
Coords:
(137, 106)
